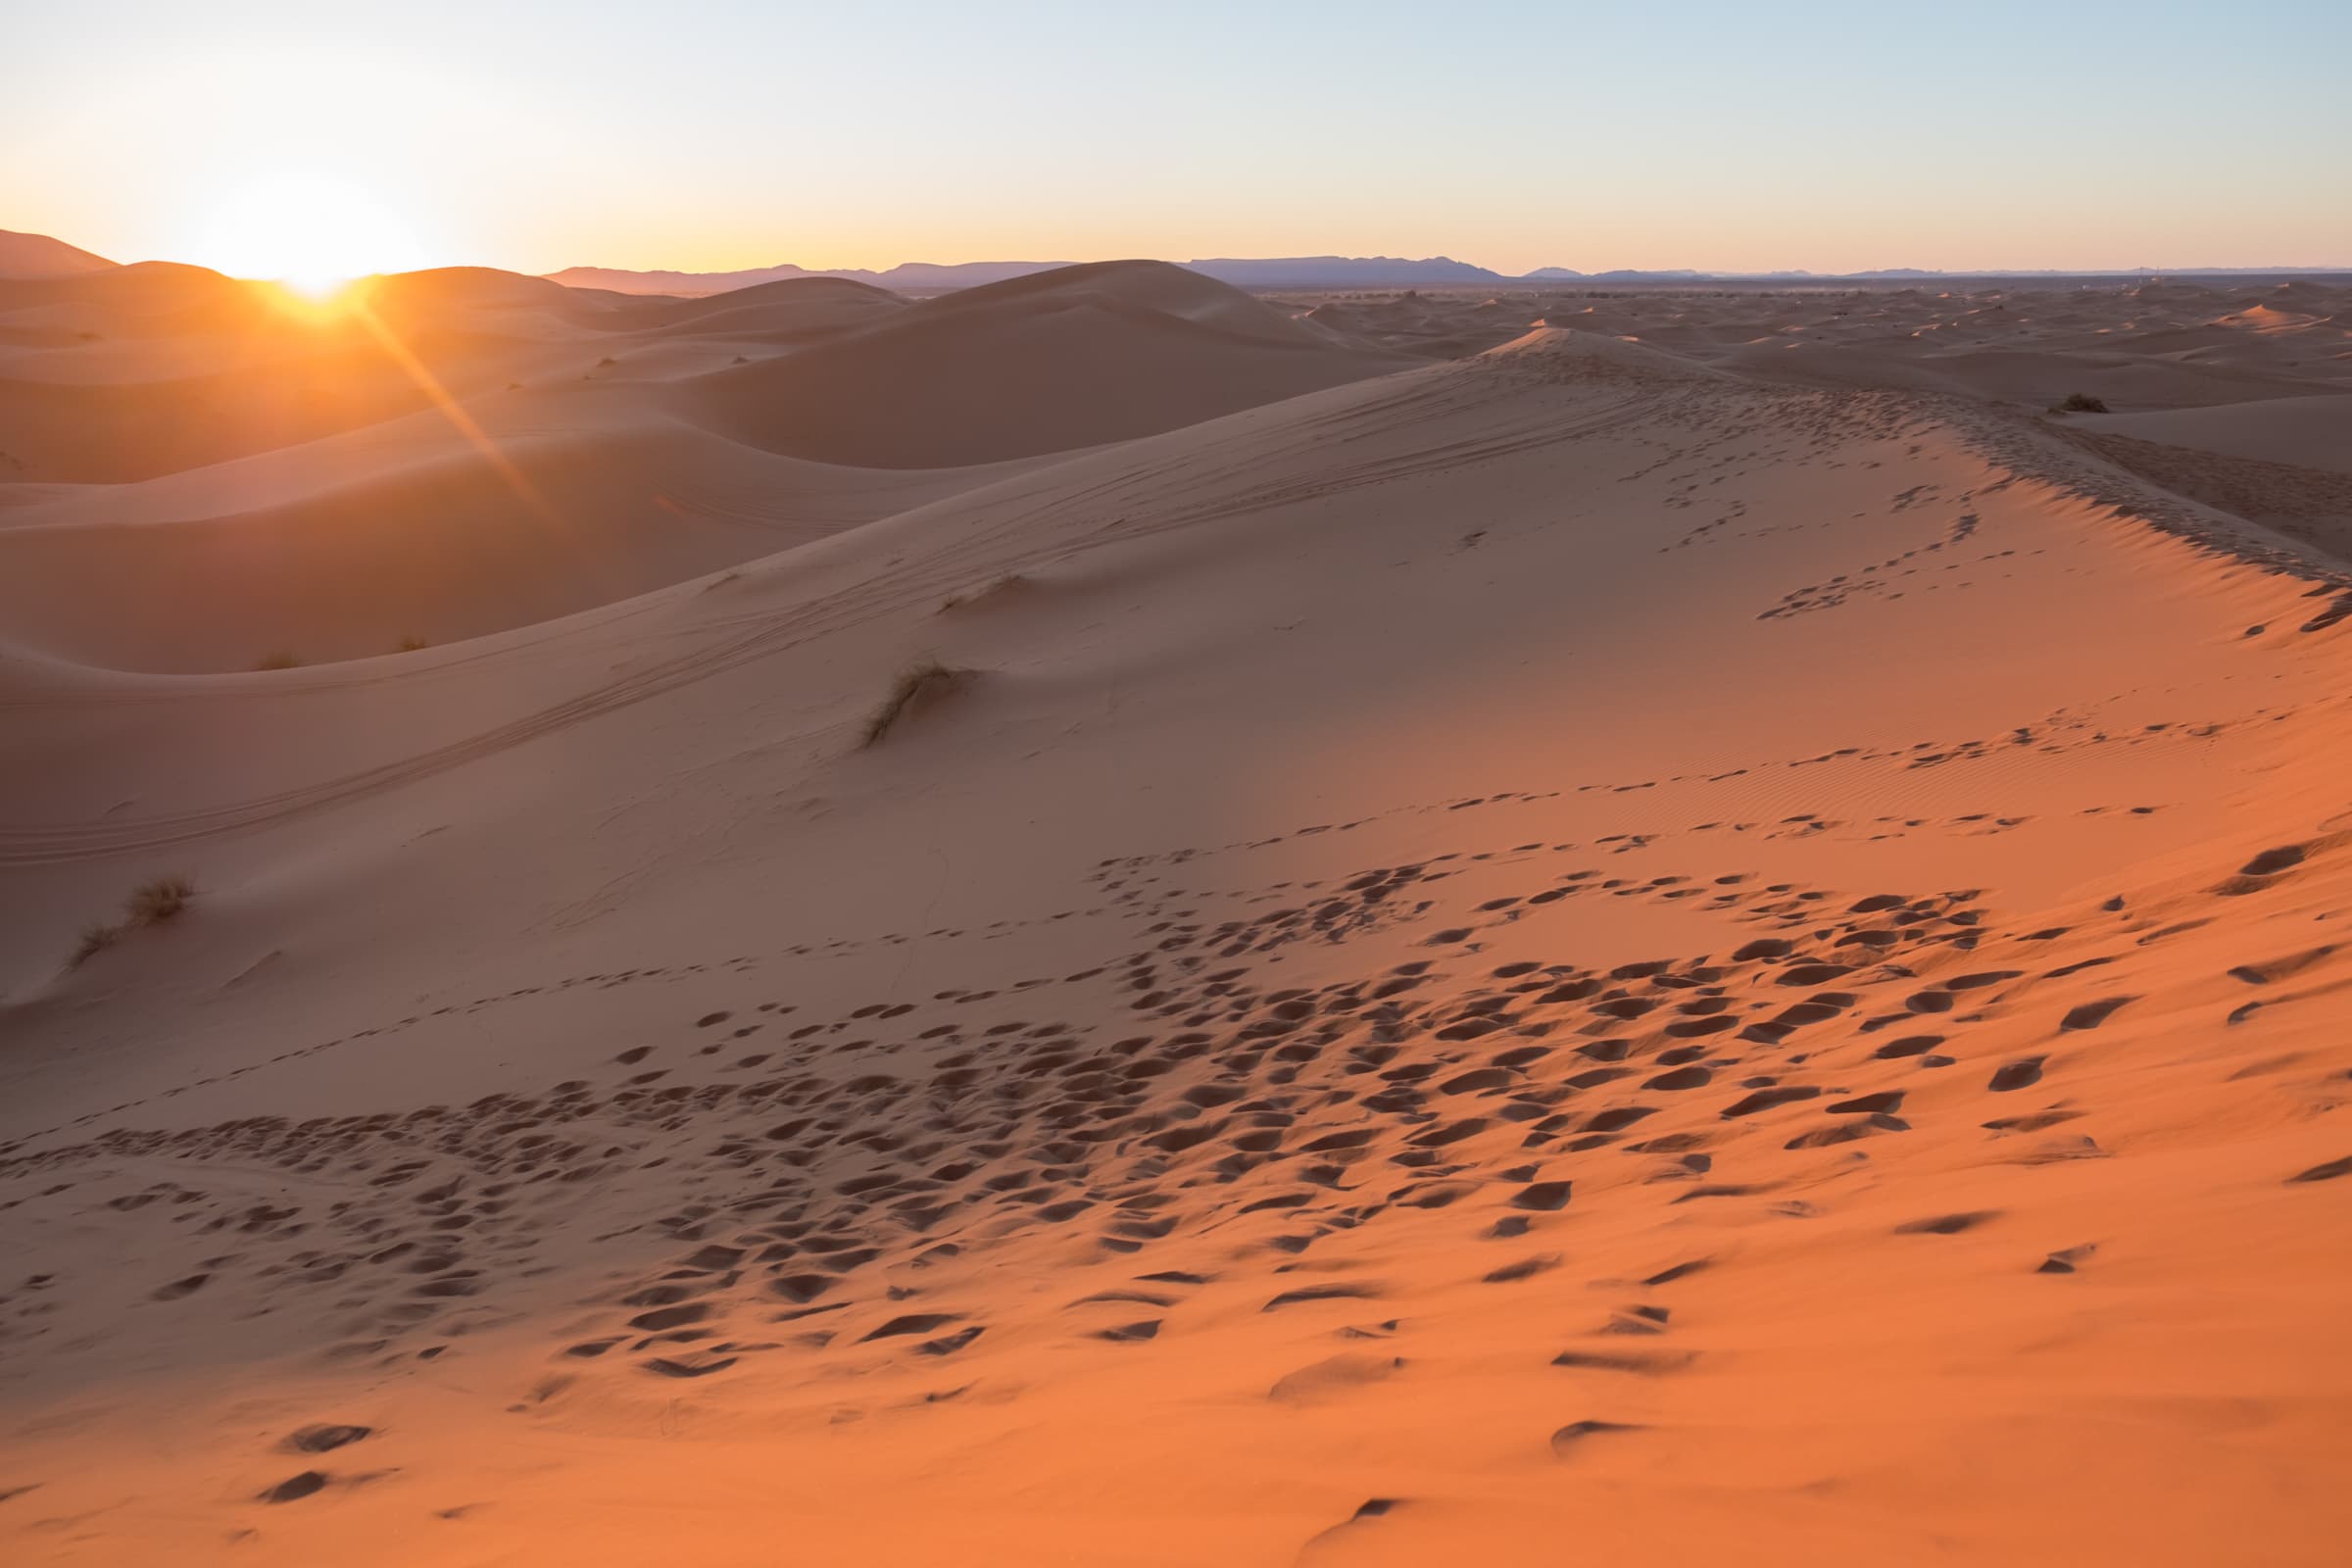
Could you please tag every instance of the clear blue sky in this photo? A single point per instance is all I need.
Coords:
(708, 135)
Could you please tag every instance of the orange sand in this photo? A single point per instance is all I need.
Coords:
(1691, 934)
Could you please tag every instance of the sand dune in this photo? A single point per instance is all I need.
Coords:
(484, 451)
(174, 368)
(923, 276)
(430, 545)
(1578, 945)
(1042, 364)
(2313, 432)
(2157, 346)
(322, 503)
(791, 311)
(39, 256)
(153, 370)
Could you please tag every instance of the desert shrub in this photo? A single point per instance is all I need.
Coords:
(154, 903)
(412, 642)
(96, 938)
(281, 659)
(1008, 583)
(923, 675)
(2083, 403)
(151, 903)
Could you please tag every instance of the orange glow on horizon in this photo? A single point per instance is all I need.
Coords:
(313, 234)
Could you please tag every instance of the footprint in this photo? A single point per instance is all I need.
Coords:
(1570, 1436)
(2269, 862)
(1545, 1197)
(2019, 1074)
(1947, 1224)
(1132, 1333)
(670, 1367)
(912, 1323)
(2066, 1260)
(1334, 1377)
(1321, 1293)
(2092, 1014)
(323, 1439)
(295, 1488)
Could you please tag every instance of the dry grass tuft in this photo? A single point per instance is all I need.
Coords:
(1010, 582)
(281, 659)
(96, 938)
(154, 903)
(2083, 403)
(151, 903)
(923, 677)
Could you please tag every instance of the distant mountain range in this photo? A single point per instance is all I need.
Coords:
(1271, 273)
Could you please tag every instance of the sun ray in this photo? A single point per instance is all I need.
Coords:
(356, 304)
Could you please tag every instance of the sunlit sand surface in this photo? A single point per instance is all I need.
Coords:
(1654, 929)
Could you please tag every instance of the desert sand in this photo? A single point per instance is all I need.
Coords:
(1666, 929)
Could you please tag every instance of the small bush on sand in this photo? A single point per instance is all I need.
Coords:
(281, 659)
(1010, 582)
(154, 903)
(923, 676)
(2081, 403)
(412, 642)
(96, 938)
(151, 903)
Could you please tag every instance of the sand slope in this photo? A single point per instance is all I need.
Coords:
(417, 541)
(2150, 347)
(39, 256)
(242, 479)
(1060, 359)
(2313, 432)
(1569, 949)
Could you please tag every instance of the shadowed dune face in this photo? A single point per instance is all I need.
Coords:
(1060, 360)
(405, 538)
(470, 450)
(1567, 945)
(148, 370)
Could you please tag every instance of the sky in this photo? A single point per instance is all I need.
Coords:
(706, 136)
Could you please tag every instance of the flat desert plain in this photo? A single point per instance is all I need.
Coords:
(1105, 922)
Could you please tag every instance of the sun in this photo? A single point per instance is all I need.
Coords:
(310, 233)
